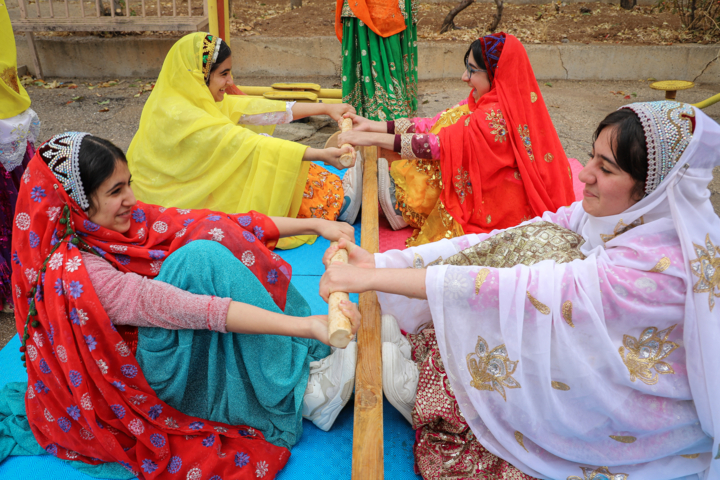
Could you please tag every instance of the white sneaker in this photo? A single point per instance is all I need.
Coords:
(386, 195)
(390, 332)
(330, 386)
(352, 186)
(400, 380)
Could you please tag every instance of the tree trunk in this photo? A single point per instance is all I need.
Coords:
(497, 17)
(295, 3)
(628, 4)
(449, 23)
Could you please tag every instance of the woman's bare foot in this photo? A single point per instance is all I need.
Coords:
(8, 308)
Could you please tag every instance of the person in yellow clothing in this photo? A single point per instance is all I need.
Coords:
(197, 147)
(19, 128)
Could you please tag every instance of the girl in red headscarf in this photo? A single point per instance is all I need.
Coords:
(93, 265)
(488, 163)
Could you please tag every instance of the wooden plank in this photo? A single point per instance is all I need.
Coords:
(23, 12)
(33, 53)
(367, 461)
(52, 12)
(108, 24)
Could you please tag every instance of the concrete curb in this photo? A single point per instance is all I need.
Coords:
(92, 57)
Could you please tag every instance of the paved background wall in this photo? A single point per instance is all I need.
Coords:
(89, 57)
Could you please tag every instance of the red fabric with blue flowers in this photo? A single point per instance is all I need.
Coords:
(87, 398)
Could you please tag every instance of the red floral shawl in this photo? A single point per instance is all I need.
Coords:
(504, 163)
(87, 398)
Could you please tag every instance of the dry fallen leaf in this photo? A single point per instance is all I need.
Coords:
(104, 110)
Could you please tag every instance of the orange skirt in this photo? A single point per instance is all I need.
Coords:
(323, 195)
(418, 185)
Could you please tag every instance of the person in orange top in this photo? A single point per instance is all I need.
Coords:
(491, 162)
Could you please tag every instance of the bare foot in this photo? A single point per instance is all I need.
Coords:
(8, 308)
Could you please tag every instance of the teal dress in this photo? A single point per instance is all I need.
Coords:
(238, 379)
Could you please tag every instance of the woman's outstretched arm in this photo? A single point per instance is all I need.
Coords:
(409, 282)
(333, 231)
(334, 110)
(248, 319)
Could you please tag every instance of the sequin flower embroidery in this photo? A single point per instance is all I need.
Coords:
(707, 268)
(524, 132)
(462, 184)
(600, 473)
(492, 369)
(241, 459)
(643, 357)
(497, 125)
(37, 194)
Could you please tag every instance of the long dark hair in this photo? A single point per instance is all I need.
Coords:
(476, 49)
(97, 160)
(628, 145)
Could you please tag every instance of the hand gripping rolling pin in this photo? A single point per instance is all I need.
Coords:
(347, 158)
(339, 326)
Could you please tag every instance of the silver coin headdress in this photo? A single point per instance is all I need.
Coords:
(61, 153)
(668, 131)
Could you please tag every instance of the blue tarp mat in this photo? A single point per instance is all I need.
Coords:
(318, 455)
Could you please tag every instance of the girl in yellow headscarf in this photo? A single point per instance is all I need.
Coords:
(19, 127)
(199, 148)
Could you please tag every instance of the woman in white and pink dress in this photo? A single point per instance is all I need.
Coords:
(594, 354)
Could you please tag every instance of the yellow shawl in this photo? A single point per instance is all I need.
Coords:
(13, 98)
(190, 152)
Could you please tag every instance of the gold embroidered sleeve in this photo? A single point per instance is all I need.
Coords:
(406, 150)
(402, 125)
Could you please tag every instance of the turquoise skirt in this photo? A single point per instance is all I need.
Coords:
(238, 379)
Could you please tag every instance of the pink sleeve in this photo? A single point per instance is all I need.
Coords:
(131, 299)
(423, 125)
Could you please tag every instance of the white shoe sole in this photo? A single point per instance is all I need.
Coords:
(396, 221)
(387, 378)
(336, 404)
(350, 215)
(390, 332)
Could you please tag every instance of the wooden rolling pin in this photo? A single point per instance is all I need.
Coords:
(339, 326)
(346, 159)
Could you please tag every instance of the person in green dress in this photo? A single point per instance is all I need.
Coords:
(379, 48)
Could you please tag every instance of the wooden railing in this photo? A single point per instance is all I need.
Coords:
(119, 16)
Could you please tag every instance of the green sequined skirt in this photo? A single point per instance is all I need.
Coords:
(380, 74)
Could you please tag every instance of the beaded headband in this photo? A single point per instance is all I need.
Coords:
(668, 130)
(210, 50)
(61, 155)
